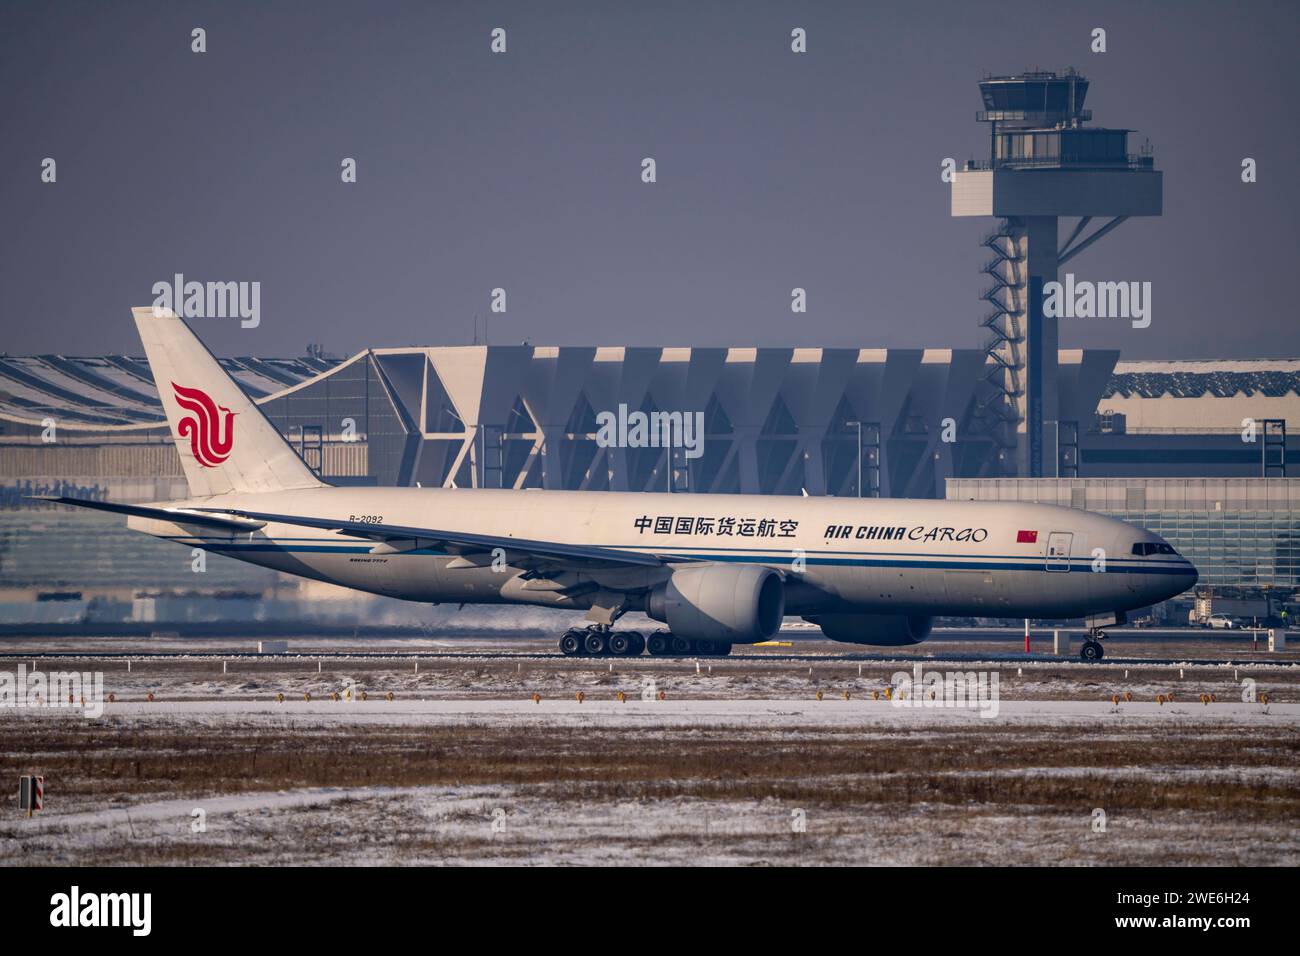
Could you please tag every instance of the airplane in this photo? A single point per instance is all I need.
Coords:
(717, 570)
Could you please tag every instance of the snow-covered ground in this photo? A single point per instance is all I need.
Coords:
(739, 763)
(539, 825)
(861, 713)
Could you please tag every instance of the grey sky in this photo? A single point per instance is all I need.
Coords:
(522, 171)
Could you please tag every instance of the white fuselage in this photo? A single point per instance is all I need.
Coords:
(891, 556)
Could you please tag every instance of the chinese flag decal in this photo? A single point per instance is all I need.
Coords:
(1026, 537)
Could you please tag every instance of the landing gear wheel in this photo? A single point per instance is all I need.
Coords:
(1091, 651)
(637, 644)
(571, 643)
(619, 644)
(706, 648)
(659, 644)
(681, 646)
(596, 643)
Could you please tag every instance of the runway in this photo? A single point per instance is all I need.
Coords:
(434, 656)
(992, 646)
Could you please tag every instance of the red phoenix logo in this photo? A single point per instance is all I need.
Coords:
(210, 436)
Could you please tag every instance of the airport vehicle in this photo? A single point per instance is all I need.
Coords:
(1220, 622)
(718, 570)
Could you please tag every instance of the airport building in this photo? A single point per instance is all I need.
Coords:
(1082, 427)
(1045, 165)
(896, 423)
(870, 422)
(1243, 534)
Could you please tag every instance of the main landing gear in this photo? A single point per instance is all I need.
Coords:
(600, 641)
(1092, 649)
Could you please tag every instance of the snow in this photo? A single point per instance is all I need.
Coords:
(807, 712)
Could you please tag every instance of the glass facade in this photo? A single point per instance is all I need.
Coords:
(1064, 147)
(1247, 549)
(1042, 92)
(316, 417)
(48, 548)
(1239, 532)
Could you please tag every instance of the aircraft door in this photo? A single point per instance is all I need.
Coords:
(1058, 550)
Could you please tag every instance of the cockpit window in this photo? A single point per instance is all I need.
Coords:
(1145, 548)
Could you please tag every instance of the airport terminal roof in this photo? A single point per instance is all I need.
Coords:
(117, 390)
(1192, 379)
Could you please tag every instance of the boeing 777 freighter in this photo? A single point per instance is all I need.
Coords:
(718, 570)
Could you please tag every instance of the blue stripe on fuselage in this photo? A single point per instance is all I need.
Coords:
(884, 560)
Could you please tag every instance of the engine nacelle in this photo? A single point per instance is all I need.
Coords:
(728, 603)
(881, 630)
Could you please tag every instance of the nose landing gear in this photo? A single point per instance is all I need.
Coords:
(1092, 649)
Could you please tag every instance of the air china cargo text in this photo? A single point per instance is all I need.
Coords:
(898, 533)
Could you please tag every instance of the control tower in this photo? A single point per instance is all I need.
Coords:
(1044, 165)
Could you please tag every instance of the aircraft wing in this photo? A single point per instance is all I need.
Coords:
(519, 551)
(200, 518)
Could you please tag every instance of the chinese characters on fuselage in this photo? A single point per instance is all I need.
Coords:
(720, 527)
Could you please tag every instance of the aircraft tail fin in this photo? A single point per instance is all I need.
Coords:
(225, 442)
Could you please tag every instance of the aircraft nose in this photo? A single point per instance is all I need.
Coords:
(1184, 580)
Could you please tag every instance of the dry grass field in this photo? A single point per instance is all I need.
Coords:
(740, 764)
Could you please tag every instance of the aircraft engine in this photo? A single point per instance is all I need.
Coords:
(728, 603)
(881, 630)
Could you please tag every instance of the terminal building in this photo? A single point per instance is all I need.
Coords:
(869, 422)
(1195, 450)
(1243, 534)
(896, 423)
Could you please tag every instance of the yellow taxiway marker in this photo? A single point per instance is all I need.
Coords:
(773, 644)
